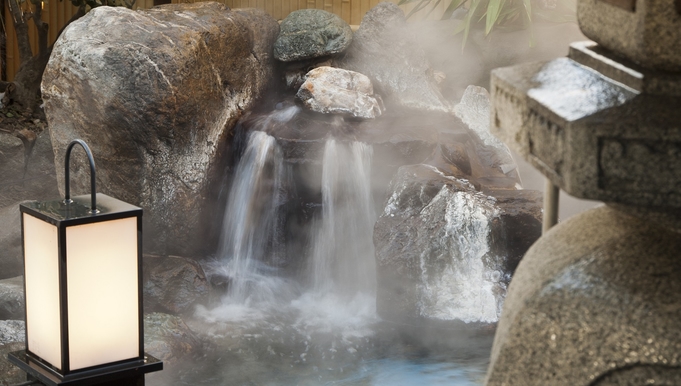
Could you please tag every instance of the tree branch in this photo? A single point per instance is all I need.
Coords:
(21, 28)
(41, 26)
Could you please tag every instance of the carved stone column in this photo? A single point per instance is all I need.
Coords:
(597, 300)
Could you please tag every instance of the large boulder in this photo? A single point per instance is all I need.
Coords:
(27, 167)
(12, 298)
(311, 33)
(443, 247)
(173, 284)
(337, 91)
(384, 49)
(433, 252)
(155, 93)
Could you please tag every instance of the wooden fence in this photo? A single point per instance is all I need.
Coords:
(57, 12)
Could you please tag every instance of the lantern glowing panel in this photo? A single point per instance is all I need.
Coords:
(102, 292)
(41, 262)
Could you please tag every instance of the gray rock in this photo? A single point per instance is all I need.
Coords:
(473, 110)
(12, 298)
(168, 338)
(156, 93)
(311, 33)
(12, 331)
(442, 248)
(384, 49)
(37, 183)
(520, 215)
(649, 36)
(337, 91)
(9, 373)
(12, 338)
(593, 302)
(173, 284)
(11, 255)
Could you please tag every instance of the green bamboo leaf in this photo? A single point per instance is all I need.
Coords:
(432, 9)
(493, 11)
(467, 21)
(459, 28)
(533, 41)
(453, 6)
(418, 7)
(528, 9)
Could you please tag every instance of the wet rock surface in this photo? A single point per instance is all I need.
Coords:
(158, 128)
(11, 255)
(438, 250)
(520, 215)
(337, 91)
(173, 284)
(474, 111)
(385, 51)
(12, 331)
(311, 33)
(169, 339)
(10, 374)
(12, 298)
(12, 336)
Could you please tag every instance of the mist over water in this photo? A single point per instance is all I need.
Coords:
(318, 325)
(336, 288)
(343, 254)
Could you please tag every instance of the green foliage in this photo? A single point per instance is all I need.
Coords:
(498, 14)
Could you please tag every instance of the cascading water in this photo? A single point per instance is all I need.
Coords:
(321, 326)
(343, 254)
(251, 216)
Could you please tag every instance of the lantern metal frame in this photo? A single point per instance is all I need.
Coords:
(63, 214)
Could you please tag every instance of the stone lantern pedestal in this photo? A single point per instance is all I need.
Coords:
(597, 300)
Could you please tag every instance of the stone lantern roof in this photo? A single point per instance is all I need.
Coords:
(603, 123)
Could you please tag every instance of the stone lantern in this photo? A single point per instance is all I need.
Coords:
(597, 299)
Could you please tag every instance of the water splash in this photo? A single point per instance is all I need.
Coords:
(463, 287)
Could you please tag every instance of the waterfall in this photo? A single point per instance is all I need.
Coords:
(343, 252)
(250, 230)
(463, 284)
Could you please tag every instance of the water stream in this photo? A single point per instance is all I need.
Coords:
(319, 326)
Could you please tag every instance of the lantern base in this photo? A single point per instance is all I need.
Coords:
(111, 374)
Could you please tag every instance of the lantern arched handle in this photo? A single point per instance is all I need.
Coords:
(93, 190)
